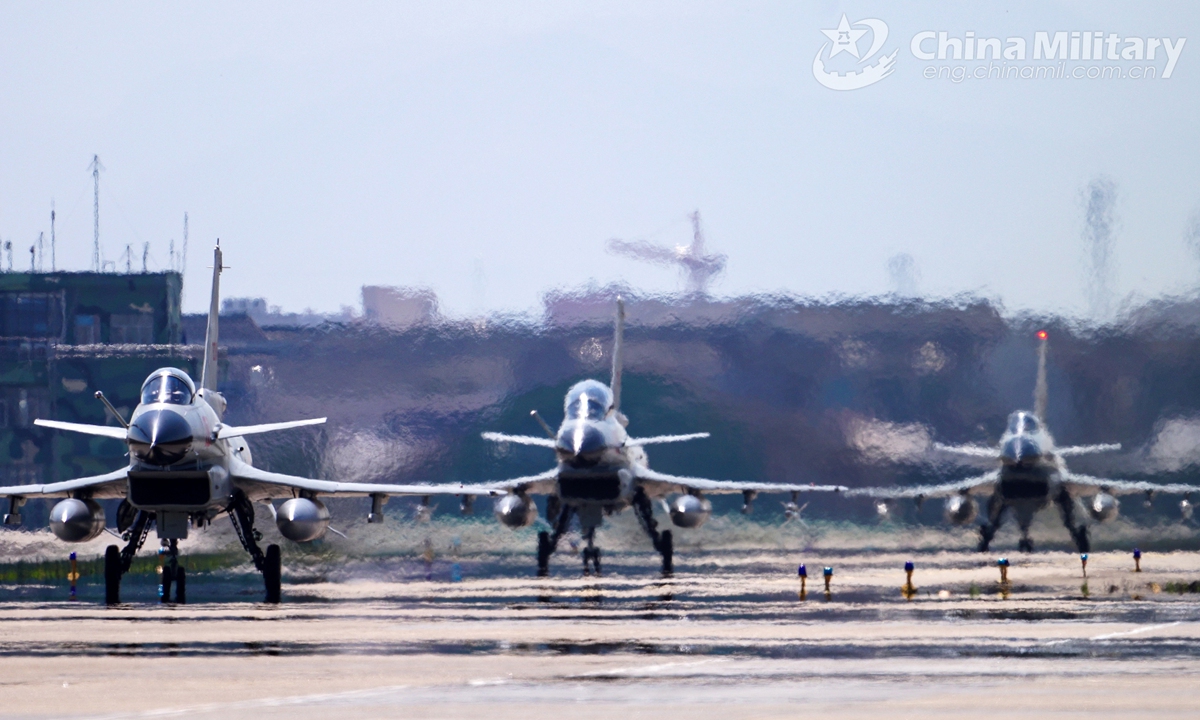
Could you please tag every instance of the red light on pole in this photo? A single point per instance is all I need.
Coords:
(1042, 335)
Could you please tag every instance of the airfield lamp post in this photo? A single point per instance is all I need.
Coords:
(828, 579)
(1083, 562)
(909, 590)
(1137, 560)
(803, 572)
(1002, 563)
(73, 575)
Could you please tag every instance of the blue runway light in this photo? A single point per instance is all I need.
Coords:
(803, 571)
(908, 566)
(828, 572)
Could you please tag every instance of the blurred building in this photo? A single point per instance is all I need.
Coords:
(65, 335)
(399, 308)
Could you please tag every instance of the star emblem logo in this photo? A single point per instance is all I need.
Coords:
(844, 38)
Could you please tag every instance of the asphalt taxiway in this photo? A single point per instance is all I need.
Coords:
(728, 637)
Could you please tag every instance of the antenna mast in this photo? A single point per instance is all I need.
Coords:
(96, 167)
(183, 259)
(53, 254)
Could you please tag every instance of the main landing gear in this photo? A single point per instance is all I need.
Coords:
(987, 531)
(241, 512)
(663, 542)
(548, 543)
(117, 561)
(1079, 533)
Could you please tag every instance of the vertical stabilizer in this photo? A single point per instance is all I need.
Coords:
(618, 355)
(1041, 391)
(208, 376)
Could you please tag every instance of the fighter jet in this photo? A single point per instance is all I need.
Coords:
(602, 470)
(186, 467)
(1031, 473)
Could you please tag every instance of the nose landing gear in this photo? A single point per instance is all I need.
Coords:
(173, 573)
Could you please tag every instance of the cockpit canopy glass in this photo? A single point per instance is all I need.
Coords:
(588, 400)
(1023, 422)
(168, 386)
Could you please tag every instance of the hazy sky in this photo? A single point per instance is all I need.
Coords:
(488, 150)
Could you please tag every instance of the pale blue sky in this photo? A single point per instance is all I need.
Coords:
(336, 145)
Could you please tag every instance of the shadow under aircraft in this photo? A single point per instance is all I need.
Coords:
(1031, 474)
(602, 470)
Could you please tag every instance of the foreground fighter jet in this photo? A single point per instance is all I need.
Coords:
(601, 470)
(186, 467)
(1031, 474)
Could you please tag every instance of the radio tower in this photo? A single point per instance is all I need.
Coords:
(53, 253)
(96, 167)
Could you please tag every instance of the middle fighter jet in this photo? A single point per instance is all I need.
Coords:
(601, 470)
(1031, 474)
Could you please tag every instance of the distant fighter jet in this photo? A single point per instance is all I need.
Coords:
(185, 468)
(601, 470)
(1030, 475)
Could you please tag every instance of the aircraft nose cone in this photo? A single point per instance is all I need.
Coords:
(580, 439)
(1019, 449)
(160, 437)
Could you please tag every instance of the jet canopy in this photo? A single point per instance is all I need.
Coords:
(1023, 423)
(588, 400)
(168, 385)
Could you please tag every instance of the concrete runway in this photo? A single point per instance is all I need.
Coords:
(728, 638)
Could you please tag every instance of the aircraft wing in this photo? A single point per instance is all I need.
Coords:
(228, 431)
(108, 431)
(658, 484)
(540, 484)
(109, 485)
(978, 485)
(981, 451)
(519, 439)
(665, 439)
(1088, 485)
(1085, 449)
(265, 485)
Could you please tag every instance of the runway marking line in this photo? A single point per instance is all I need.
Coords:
(1122, 633)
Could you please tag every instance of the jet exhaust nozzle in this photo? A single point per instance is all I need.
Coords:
(1103, 507)
(960, 509)
(515, 511)
(690, 511)
(74, 520)
(302, 519)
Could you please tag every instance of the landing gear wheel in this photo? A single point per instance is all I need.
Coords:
(1081, 539)
(180, 586)
(168, 574)
(666, 545)
(273, 574)
(112, 575)
(544, 550)
(591, 561)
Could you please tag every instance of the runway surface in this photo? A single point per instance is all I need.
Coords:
(726, 637)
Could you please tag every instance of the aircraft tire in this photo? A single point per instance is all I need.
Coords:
(168, 575)
(667, 545)
(543, 554)
(273, 574)
(180, 586)
(112, 575)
